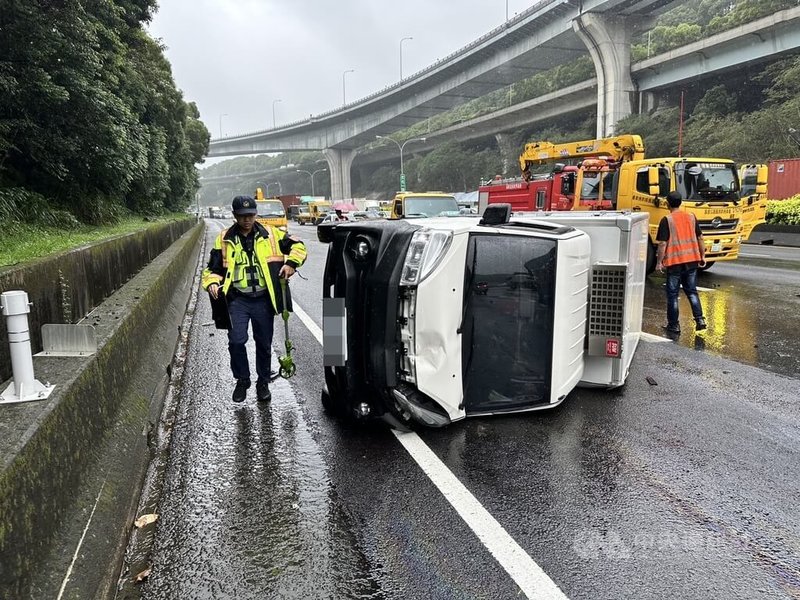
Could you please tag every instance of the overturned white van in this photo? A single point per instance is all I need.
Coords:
(434, 320)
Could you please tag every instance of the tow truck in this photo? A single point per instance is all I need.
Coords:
(615, 173)
(270, 211)
(423, 204)
(548, 191)
(428, 321)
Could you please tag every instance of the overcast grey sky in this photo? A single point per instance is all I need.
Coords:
(234, 57)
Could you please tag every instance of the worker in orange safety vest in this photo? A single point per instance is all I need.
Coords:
(680, 252)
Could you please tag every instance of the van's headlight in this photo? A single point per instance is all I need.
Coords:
(426, 250)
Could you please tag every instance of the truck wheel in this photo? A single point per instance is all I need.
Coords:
(651, 258)
(709, 264)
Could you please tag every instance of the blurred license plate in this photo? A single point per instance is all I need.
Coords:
(334, 332)
(716, 247)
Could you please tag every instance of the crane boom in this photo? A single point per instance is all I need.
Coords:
(619, 148)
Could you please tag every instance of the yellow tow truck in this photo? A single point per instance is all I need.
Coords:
(270, 211)
(423, 204)
(614, 174)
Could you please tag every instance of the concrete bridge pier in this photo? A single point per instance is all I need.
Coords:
(608, 39)
(339, 162)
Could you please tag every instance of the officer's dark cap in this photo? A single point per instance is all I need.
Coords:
(244, 205)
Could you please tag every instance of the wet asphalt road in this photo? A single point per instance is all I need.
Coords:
(684, 489)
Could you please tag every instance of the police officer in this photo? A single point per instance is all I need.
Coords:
(681, 251)
(246, 265)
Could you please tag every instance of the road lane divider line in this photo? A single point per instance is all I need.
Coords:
(704, 289)
(748, 255)
(528, 575)
(522, 569)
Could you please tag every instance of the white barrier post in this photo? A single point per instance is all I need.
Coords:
(15, 307)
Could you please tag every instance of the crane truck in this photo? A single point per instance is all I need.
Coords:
(615, 173)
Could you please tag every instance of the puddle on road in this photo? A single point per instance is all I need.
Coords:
(745, 322)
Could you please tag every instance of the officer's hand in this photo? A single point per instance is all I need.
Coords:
(660, 267)
(213, 289)
(286, 271)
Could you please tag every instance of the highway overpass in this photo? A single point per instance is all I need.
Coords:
(511, 53)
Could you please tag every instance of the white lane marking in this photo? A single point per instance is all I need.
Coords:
(703, 289)
(649, 337)
(528, 575)
(80, 543)
(315, 329)
(754, 255)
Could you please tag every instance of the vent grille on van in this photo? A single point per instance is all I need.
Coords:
(606, 309)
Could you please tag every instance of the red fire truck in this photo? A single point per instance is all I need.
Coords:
(548, 191)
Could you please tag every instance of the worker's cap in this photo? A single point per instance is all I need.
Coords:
(674, 199)
(244, 205)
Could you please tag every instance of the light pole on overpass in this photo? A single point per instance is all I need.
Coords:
(280, 187)
(310, 174)
(273, 111)
(344, 88)
(401, 146)
(220, 123)
(401, 55)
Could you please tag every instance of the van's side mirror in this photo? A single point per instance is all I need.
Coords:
(652, 181)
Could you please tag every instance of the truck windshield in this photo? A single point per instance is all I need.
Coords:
(271, 209)
(429, 206)
(597, 182)
(703, 181)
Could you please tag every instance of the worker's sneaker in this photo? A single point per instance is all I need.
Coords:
(262, 391)
(673, 329)
(240, 391)
(700, 324)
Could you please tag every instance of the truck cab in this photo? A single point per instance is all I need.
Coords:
(314, 213)
(271, 213)
(541, 192)
(423, 204)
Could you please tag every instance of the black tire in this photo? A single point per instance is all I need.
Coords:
(651, 258)
(708, 265)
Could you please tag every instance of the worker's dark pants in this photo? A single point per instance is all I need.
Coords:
(687, 277)
(244, 310)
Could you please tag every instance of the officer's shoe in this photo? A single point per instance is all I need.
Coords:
(700, 323)
(240, 391)
(262, 391)
(673, 329)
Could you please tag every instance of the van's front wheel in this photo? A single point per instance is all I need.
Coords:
(651, 257)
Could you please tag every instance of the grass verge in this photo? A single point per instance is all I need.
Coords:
(22, 242)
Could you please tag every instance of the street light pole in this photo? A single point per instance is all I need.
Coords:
(344, 89)
(280, 188)
(401, 55)
(311, 175)
(401, 147)
(273, 111)
(506, 10)
(220, 123)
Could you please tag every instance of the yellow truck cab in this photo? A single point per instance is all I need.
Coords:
(270, 211)
(423, 204)
(314, 212)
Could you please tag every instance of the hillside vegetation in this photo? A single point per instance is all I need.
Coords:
(92, 126)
